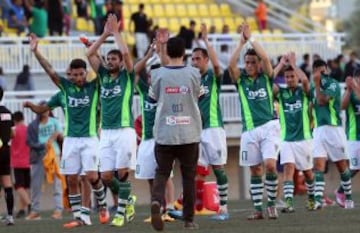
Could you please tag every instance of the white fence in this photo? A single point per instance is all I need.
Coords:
(229, 101)
(15, 52)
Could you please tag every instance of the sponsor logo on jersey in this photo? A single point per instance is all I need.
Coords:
(5, 117)
(110, 92)
(291, 107)
(148, 106)
(177, 90)
(178, 120)
(78, 102)
(257, 94)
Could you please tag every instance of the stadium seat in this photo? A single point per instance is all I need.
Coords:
(91, 26)
(126, 11)
(130, 39)
(218, 23)
(252, 23)
(225, 9)
(206, 21)
(81, 24)
(181, 10)
(166, 1)
(134, 8)
(238, 20)
(203, 10)
(214, 10)
(192, 10)
(174, 25)
(170, 10)
(149, 11)
(159, 10)
(162, 22)
(184, 22)
(279, 35)
(230, 22)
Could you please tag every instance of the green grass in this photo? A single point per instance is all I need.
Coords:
(329, 219)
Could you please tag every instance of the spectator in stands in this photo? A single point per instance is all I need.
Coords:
(239, 29)
(116, 8)
(20, 163)
(56, 16)
(189, 35)
(212, 29)
(336, 71)
(141, 29)
(66, 18)
(24, 80)
(305, 66)
(225, 29)
(352, 65)
(81, 8)
(224, 56)
(316, 57)
(97, 13)
(2, 79)
(5, 6)
(39, 16)
(225, 34)
(261, 15)
(16, 17)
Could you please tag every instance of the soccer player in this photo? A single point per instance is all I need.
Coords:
(329, 136)
(81, 142)
(296, 143)
(118, 137)
(351, 104)
(6, 124)
(58, 100)
(213, 138)
(259, 139)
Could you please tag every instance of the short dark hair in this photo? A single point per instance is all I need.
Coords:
(141, 6)
(192, 22)
(18, 116)
(203, 51)
(175, 47)
(1, 93)
(288, 68)
(77, 63)
(115, 52)
(306, 56)
(318, 63)
(251, 52)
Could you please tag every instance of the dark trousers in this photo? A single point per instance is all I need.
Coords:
(165, 156)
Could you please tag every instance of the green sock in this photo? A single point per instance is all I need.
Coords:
(289, 191)
(319, 186)
(222, 185)
(124, 192)
(271, 184)
(346, 183)
(114, 185)
(310, 186)
(256, 191)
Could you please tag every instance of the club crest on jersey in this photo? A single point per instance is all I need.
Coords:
(177, 90)
(286, 95)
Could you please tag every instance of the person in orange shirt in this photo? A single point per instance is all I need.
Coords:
(261, 14)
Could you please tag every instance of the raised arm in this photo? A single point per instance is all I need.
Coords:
(92, 52)
(281, 65)
(124, 50)
(356, 87)
(233, 68)
(321, 98)
(299, 73)
(267, 67)
(36, 108)
(347, 94)
(162, 36)
(42, 60)
(211, 51)
(140, 65)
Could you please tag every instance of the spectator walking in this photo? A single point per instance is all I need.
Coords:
(305, 66)
(20, 163)
(177, 129)
(141, 28)
(42, 132)
(261, 15)
(39, 16)
(55, 19)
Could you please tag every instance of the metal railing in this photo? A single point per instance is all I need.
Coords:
(15, 52)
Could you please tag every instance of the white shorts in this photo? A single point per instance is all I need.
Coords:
(260, 144)
(145, 161)
(117, 149)
(329, 141)
(213, 150)
(298, 153)
(79, 155)
(354, 154)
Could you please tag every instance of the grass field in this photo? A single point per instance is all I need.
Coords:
(329, 219)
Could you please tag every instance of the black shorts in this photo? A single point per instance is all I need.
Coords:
(4, 161)
(22, 178)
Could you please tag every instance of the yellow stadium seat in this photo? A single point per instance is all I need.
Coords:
(239, 20)
(203, 10)
(126, 11)
(279, 35)
(192, 10)
(149, 11)
(73, 11)
(81, 24)
(162, 22)
(184, 22)
(130, 40)
(166, 1)
(267, 34)
(91, 26)
(170, 10)
(159, 10)
(218, 23)
(225, 9)
(214, 10)
(206, 21)
(134, 8)
(181, 10)
(174, 25)
(230, 22)
(252, 23)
